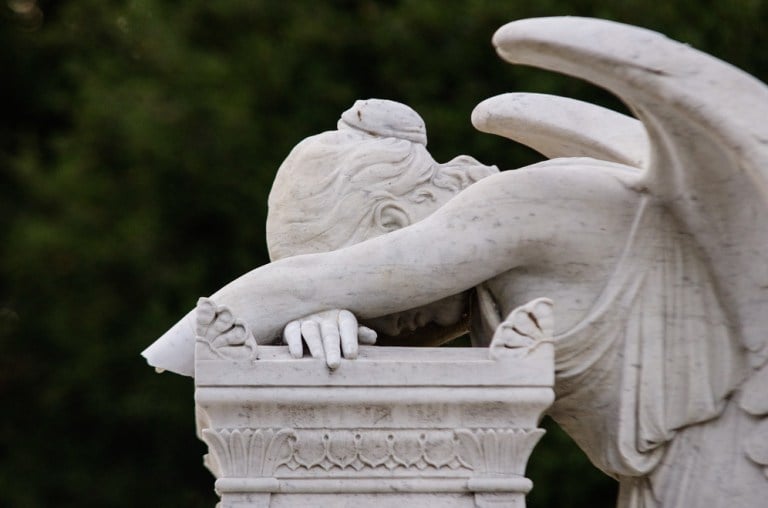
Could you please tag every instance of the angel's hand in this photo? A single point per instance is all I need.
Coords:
(327, 334)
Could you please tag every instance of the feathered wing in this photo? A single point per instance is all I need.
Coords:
(561, 127)
(707, 161)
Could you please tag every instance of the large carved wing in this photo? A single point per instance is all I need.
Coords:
(562, 127)
(706, 155)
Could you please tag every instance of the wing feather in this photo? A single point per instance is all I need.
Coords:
(708, 136)
(561, 127)
(707, 161)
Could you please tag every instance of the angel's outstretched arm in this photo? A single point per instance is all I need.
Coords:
(442, 255)
(456, 248)
(495, 225)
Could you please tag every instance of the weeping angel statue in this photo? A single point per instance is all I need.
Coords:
(650, 235)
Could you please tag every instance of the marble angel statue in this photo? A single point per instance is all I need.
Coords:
(649, 235)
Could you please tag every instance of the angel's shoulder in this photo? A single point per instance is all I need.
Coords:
(565, 182)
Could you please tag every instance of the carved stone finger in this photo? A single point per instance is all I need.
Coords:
(310, 330)
(329, 330)
(366, 335)
(292, 337)
(348, 331)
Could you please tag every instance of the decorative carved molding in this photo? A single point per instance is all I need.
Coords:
(497, 450)
(360, 449)
(248, 452)
(222, 336)
(263, 452)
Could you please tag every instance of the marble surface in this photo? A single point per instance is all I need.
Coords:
(648, 234)
(427, 427)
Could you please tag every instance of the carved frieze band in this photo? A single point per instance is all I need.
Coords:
(260, 452)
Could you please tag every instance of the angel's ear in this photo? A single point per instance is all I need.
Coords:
(390, 216)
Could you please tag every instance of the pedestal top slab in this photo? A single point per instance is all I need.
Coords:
(386, 366)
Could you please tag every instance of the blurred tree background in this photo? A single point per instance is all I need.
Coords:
(138, 142)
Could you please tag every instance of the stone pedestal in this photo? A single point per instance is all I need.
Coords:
(397, 427)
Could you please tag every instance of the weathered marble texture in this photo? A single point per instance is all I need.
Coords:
(426, 427)
(650, 238)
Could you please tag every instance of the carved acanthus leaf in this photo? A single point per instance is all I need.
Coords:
(260, 452)
(503, 451)
(245, 453)
(524, 329)
(222, 335)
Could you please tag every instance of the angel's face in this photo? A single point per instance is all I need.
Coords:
(444, 313)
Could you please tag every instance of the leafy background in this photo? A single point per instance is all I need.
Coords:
(137, 145)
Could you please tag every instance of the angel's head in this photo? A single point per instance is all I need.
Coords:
(371, 176)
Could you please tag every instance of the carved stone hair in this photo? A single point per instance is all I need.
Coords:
(330, 190)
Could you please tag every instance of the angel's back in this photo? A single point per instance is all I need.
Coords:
(639, 326)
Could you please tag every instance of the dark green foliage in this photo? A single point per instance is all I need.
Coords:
(137, 144)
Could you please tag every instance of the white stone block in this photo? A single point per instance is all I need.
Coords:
(447, 427)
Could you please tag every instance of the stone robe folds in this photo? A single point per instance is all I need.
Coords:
(651, 363)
